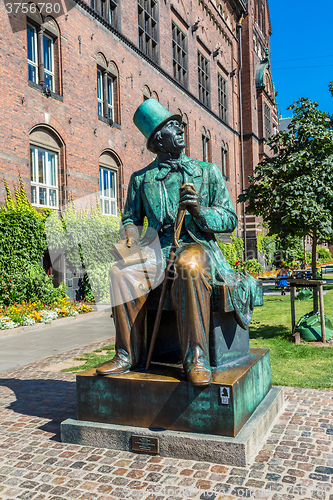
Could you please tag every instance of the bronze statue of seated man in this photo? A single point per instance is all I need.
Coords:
(170, 182)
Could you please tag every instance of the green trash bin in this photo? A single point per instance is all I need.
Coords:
(310, 329)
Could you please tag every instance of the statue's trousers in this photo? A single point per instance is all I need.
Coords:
(190, 292)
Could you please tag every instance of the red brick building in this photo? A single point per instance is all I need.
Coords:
(71, 79)
(259, 111)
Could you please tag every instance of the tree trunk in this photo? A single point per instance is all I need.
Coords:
(314, 270)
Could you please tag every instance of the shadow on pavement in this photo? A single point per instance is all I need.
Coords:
(50, 399)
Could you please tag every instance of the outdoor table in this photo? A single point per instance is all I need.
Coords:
(316, 284)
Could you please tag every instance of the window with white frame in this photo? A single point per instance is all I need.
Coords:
(42, 43)
(108, 191)
(32, 53)
(48, 50)
(100, 92)
(105, 94)
(110, 97)
(44, 177)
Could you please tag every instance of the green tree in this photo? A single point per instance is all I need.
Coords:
(292, 190)
(233, 251)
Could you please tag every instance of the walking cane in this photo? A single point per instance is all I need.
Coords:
(178, 227)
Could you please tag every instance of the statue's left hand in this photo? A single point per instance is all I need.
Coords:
(189, 199)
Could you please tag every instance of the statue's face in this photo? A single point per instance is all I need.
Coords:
(171, 137)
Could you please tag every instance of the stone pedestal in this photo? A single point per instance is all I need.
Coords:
(164, 399)
(238, 451)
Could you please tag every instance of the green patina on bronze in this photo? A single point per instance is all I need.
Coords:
(163, 399)
(218, 382)
(186, 202)
(151, 116)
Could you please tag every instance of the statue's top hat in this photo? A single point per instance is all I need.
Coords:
(151, 116)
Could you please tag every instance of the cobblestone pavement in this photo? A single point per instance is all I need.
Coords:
(296, 461)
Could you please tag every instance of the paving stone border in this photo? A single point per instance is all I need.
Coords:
(296, 461)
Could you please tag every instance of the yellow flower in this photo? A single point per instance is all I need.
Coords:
(36, 316)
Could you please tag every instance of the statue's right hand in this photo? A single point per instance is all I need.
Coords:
(131, 235)
(130, 241)
(127, 241)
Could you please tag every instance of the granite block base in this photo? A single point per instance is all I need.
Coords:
(237, 451)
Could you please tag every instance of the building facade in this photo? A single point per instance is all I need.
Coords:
(73, 74)
(259, 110)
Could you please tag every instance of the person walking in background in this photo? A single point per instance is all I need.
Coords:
(282, 282)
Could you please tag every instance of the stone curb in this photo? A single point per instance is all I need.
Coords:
(58, 321)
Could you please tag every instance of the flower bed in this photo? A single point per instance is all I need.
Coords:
(268, 274)
(30, 313)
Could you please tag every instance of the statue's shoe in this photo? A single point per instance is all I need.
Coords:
(199, 375)
(115, 366)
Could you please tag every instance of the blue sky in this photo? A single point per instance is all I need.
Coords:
(301, 52)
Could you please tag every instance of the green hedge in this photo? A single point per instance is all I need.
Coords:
(23, 243)
(233, 251)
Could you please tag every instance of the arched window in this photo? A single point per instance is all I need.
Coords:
(206, 145)
(225, 160)
(154, 95)
(45, 159)
(186, 128)
(108, 182)
(108, 102)
(43, 39)
(148, 94)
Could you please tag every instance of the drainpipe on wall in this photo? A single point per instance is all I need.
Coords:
(239, 27)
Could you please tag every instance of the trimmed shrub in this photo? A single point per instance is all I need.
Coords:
(22, 247)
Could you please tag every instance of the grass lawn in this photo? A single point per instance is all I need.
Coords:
(302, 365)
(93, 358)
